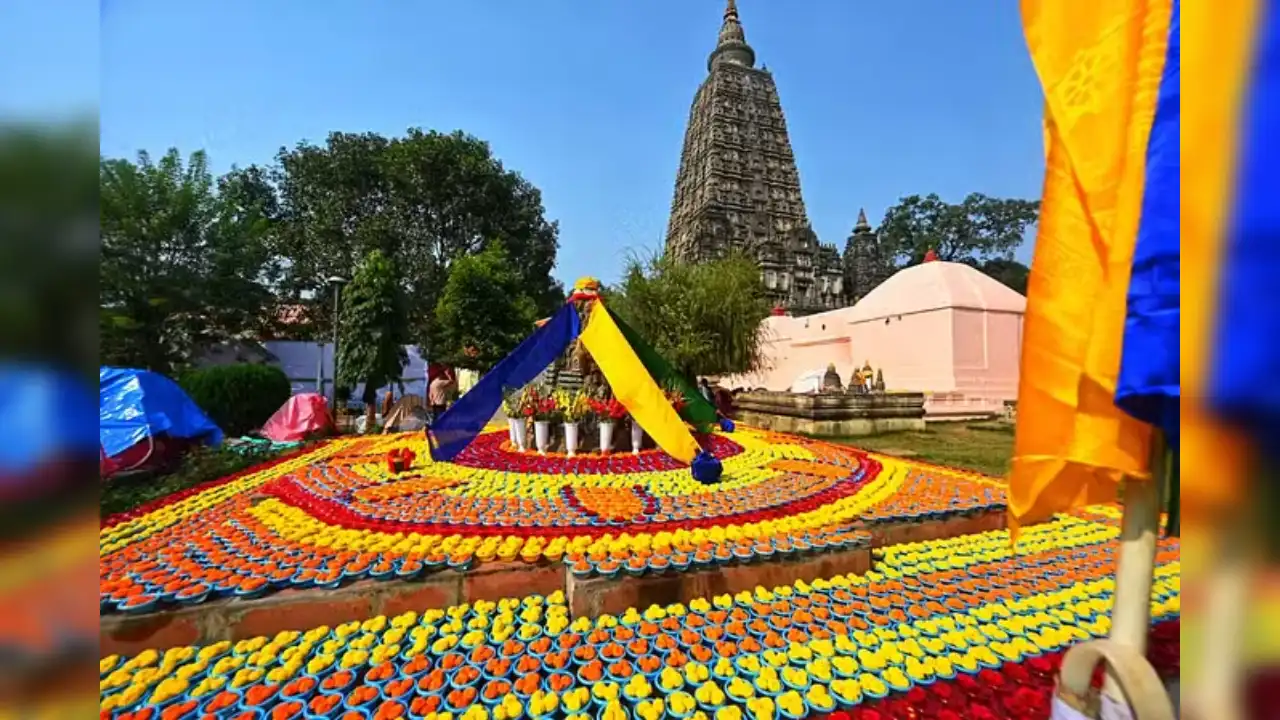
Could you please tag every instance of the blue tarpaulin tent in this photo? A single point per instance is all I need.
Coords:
(136, 406)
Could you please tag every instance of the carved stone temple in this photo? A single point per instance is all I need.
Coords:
(738, 186)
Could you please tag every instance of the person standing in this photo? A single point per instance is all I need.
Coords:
(438, 395)
(705, 389)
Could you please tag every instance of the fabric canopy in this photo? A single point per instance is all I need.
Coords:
(467, 417)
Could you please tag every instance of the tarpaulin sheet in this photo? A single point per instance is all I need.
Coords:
(136, 404)
(300, 416)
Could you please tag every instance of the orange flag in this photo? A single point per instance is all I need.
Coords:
(1100, 64)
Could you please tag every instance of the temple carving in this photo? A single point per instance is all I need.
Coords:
(738, 187)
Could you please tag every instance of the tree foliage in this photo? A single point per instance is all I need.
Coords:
(240, 398)
(425, 200)
(184, 262)
(977, 229)
(704, 318)
(484, 311)
(1010, 272)
(372, 331)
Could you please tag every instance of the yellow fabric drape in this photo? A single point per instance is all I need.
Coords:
(634, 387)
(1100, 64)
(1218, 39)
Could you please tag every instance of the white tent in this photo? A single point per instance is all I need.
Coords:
(809, 382)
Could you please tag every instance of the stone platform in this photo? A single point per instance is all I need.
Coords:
(235, 619)
(831, 414)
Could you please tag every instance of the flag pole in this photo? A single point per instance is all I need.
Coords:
(1135, 569)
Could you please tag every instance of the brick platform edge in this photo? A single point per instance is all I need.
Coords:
(897, 533)
(602, 596)
(304, 609)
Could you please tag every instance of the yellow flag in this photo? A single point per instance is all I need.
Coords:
(1100, 64)
(634, 387)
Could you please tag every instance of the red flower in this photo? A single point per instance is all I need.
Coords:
(991, 679)
(981, 712)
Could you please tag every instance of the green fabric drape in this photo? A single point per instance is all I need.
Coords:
(700, 413)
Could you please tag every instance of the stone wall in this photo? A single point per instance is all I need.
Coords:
(831, 415)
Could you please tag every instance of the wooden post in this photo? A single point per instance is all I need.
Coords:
(1135, 566)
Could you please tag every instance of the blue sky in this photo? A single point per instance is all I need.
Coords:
(589, 98)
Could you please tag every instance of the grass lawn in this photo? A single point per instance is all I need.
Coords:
(984, 447)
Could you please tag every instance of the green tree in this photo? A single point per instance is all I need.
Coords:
(703, 318)
(484, 311)
(372, 333)
(426, 200)
(978, 229)
(184, 262)
(1010, 272)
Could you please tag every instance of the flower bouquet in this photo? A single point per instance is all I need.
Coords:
(545, 412)
(513, 408)
(609, 411)
(574, 408)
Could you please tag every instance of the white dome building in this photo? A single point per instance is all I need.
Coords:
(942, 328)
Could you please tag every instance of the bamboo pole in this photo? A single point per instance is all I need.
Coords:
(1135, 567)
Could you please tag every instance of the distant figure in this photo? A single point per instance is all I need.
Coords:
(438, 396)
(879, 384)
(705, 389)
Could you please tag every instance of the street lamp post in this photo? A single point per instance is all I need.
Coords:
(336, 283)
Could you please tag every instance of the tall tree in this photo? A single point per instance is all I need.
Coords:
(373, 332)
(978, 229)
(484, 311)
(182, 263)
(703, 318)
(425, 200)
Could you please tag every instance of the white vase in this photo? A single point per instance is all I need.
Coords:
(570, 438)
(606, 437)
(637, 437)
(542, 435)
(512, 423)
(522, 434)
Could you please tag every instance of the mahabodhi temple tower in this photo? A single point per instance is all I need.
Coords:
(738, 186)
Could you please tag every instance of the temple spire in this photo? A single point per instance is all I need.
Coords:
(862, 225)
(732, 47)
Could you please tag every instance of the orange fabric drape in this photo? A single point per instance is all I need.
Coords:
(1100, 64)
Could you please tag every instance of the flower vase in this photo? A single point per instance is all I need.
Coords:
(511, 430)
(570, 438)
(637, 437)
(606, 437)
(522, 434)
(542, 435)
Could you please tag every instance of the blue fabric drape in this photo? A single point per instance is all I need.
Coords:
(462, 422)
(1149, 387)
(1244, 368)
